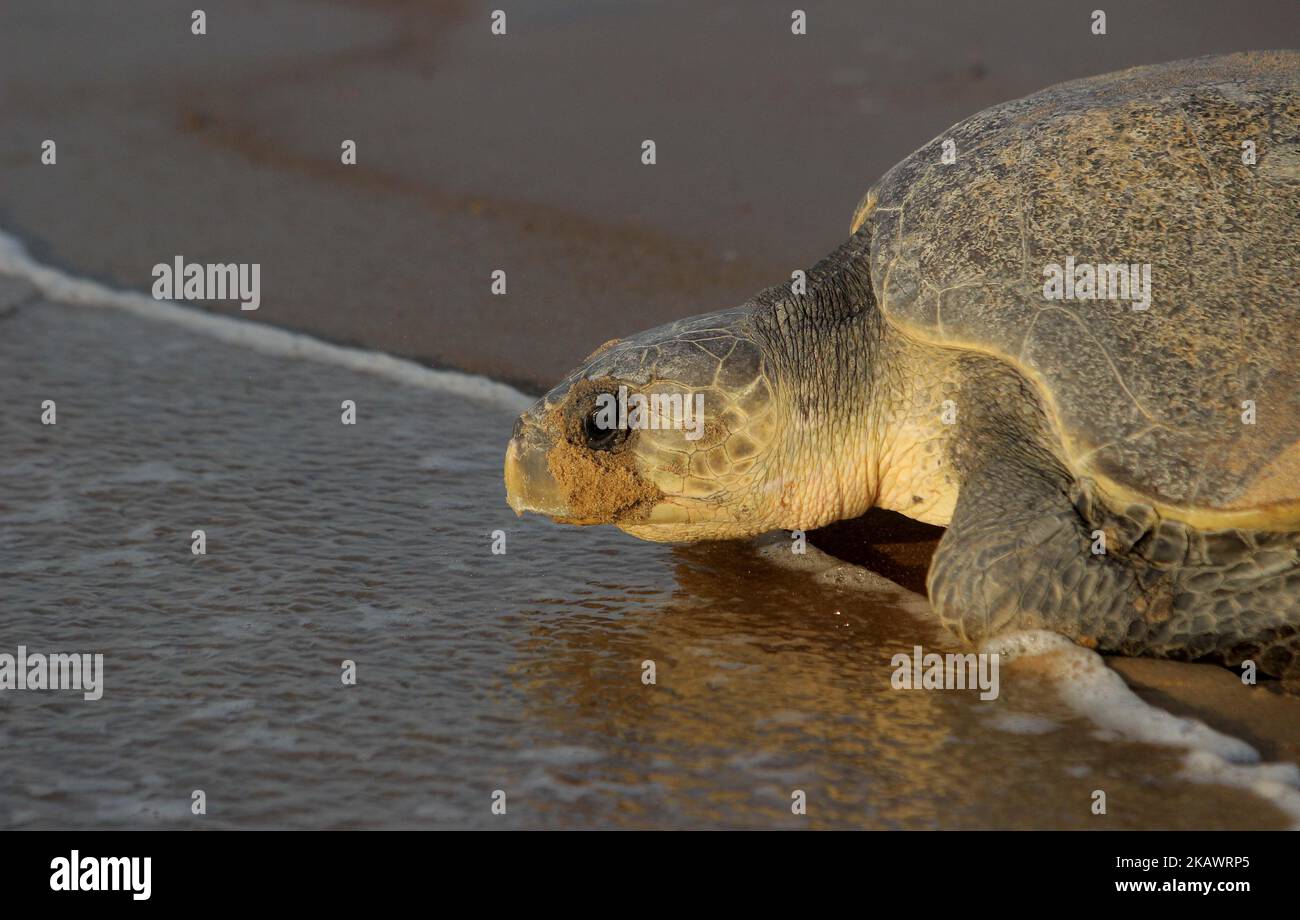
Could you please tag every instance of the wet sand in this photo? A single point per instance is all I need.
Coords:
(520, 152)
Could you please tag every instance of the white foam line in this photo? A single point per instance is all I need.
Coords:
(1093, 690)
(259, 337)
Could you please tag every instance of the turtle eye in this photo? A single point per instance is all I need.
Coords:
(598, 436)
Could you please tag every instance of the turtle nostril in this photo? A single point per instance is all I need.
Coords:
(519, 427)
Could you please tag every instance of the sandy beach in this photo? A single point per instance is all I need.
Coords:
(518, 152)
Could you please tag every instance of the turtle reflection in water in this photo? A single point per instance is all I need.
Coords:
(1121, 470)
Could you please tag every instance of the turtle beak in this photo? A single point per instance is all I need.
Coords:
(529, 483)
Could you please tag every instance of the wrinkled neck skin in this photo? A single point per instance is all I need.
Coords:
(823, 345)
(860, 404)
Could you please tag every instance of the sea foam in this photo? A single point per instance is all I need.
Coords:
(270, 340)
(1088, 686)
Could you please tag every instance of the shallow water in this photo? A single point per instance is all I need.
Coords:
(476, 672)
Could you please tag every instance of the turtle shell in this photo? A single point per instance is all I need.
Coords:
(1191, 404)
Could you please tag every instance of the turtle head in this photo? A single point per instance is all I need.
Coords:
(670, 435)
(720, 426)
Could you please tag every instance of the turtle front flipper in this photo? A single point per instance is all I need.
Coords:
(1018, 555)
(1028, 547)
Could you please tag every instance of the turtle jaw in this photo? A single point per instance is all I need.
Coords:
(553, 477)
(530, 486)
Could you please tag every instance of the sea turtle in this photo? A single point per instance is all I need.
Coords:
(1117, 464)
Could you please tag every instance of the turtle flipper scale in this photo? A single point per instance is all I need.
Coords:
(1021, 553)
(1017, 555)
